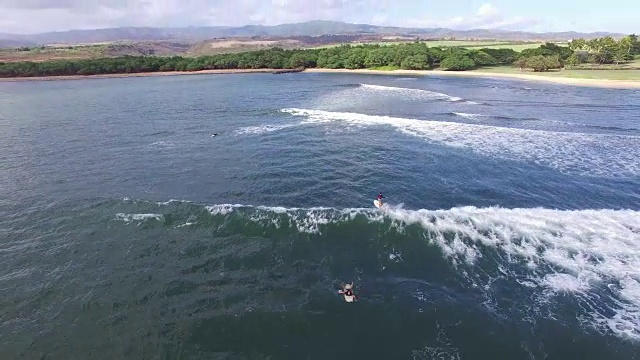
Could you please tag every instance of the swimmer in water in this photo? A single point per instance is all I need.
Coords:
(347, 291)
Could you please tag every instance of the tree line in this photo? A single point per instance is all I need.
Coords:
(411, 56)
(605, 50)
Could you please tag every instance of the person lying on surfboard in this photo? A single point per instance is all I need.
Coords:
(347, 291)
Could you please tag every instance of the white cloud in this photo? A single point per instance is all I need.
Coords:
(487, 10)
(46, 15)
(30, 16)
(486, 17)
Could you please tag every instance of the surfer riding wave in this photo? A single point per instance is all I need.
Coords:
(378, 201)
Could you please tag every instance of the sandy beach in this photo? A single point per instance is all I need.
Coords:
(158, 73)
(605, 83)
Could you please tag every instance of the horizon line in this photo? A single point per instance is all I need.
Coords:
(316, 21)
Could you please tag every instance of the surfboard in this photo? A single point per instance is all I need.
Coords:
(376, 202)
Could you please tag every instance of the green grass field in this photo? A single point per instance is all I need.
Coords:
(53, 52)
(517, 46)
(93, 51)
(577, 74)
(486, 44)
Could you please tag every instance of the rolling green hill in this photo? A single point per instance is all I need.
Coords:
(310, 28)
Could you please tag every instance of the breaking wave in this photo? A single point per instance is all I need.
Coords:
(470, 116)
(413, 94)
(607, 155)
(589, 255)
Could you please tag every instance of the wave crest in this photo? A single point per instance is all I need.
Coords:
(411, 93)
(590, 254)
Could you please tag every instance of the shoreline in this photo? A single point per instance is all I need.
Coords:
(602, 83)
(129, 75)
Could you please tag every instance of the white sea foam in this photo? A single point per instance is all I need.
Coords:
(138, 217)
(304, 220)
(164, 144)
(588, 248)
(577, 252)
(222, 209)
(469, 115)
(408, 93)
(260, 129)
(605, 155)
(172, 201)
(185, 224)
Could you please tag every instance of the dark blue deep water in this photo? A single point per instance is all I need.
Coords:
(128, 231)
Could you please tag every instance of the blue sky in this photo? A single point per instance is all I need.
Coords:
(539, 15)
(31, 16)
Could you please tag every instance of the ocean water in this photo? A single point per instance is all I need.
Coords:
(129, 231)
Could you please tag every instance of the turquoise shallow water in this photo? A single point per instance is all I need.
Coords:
(128, 230)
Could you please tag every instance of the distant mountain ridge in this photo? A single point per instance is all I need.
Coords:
(309, 28)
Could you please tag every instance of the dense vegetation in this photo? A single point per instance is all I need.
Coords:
(416, 56)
